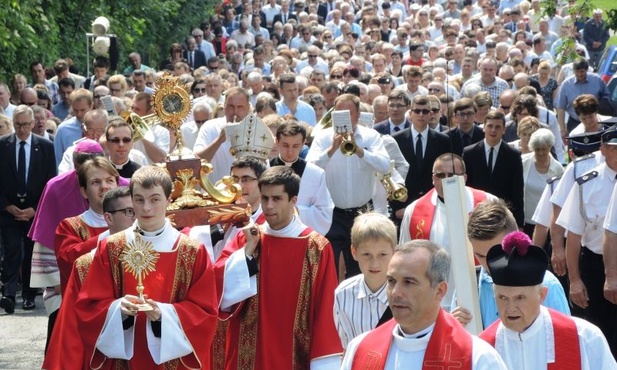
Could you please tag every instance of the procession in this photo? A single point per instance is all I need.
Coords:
(317, 184)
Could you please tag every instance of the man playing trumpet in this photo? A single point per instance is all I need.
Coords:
(349, 178)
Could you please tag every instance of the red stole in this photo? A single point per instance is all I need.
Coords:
(424, 211)
(450, 346)
(567, 346)
(289, 321)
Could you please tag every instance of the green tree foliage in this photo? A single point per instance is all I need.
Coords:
(567, 49)
(46, 30)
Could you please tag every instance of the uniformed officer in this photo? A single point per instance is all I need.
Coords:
(585, 150)
(583, 215)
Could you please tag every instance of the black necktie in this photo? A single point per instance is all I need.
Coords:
(397, 129)
(191, 59)
(21, 169)
(284, 18)
(490, 161)
(466, 140)
(419, 151)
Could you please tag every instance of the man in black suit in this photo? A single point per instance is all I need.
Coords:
(28, 162)
(325, 8)
(285, 15)
(496, 167)
(467, 132)
(196, 58)
(398, 104)
(420, 146)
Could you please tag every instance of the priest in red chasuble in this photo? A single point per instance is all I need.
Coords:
(277, 283)
(528, 335)
(172, 324)
(66, 351)
(421, 335)
(74, 235)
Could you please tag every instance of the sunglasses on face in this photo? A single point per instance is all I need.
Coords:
(117, 140)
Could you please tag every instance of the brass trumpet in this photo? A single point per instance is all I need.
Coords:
(395, 191)
(348, 146)
(139, 125)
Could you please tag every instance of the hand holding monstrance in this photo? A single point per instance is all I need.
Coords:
(139, 258)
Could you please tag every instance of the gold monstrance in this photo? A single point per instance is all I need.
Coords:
(139, 258)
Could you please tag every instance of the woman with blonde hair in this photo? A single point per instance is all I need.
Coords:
(526, 127)
(548, 84)
(18, 83)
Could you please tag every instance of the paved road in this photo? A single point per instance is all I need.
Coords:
(22, 337)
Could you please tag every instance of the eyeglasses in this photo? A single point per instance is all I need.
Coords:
(438, 19)
(200, 122)
(434, 90)
(312, 56)
(423, 112)
(117, 140)
(199, 90)
(50, 131)
(436, 110)
(505, 108)
(22, 125)
(396, 106)
(464, 114)
(98, 96)
(327, 37)
(508, 80)
(335, 77)
(244, 179)
(443, 175)
(128, 212)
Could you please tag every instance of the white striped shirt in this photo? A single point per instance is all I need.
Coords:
(356, 308)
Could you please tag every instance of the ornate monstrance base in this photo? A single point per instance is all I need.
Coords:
(196, 201)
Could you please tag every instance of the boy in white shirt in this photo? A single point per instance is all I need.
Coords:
(360, 302)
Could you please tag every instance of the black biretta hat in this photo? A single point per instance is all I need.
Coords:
(516, 262)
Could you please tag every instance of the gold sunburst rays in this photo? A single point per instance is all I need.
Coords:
(139, 259)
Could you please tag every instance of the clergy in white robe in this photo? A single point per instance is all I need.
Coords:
(528, 335)
(315, 205)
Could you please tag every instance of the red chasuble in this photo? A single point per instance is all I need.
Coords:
(66, 351)
(183, 277)
(74, 238)
(567, 346)
(289, 322)
(450, 346)
(424, 212)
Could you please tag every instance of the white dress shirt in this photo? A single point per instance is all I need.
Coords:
(594, 202)
(350, 179)
(27, 148)
(357, 309)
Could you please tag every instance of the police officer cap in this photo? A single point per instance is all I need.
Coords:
(609, 136)
(516, 262)
(585, 143)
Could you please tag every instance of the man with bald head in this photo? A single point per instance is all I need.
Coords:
(505, 101)
(99, 92)
(212, 144)
(28, 96)
(95, 123)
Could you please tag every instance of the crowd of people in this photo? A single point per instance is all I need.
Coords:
(332, 269)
